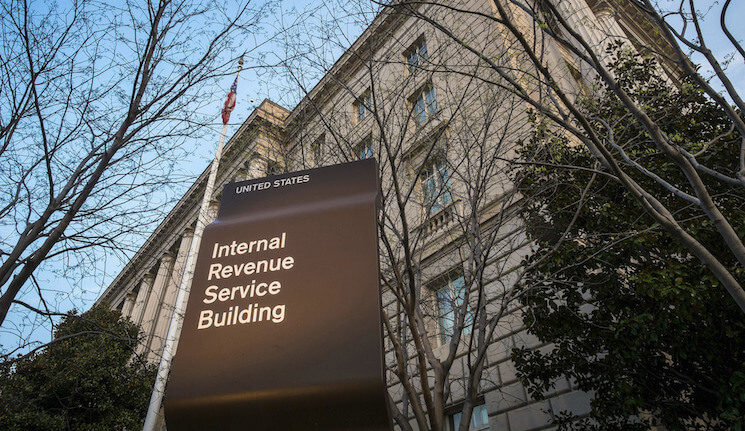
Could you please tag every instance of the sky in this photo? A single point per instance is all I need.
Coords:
(718, 43)
(311, 28)
(263, 77)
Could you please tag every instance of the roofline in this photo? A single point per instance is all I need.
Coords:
(386, 18)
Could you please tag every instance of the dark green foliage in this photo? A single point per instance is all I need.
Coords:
(629, 313)
(86, 380)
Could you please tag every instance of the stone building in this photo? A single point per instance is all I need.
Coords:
(420, 91)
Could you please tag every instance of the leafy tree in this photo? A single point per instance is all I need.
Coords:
(628, 311)
(545, 82)
(86, 379)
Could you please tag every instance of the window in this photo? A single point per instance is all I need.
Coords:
(363, 105)
(436, 185)
(479, 419)
(364, 149)
(317, 148)
(450, 297)
(273, 167)
(425, 104)
(416, 55)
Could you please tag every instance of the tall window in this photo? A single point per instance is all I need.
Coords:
(425, 104)
(363, 105)
(479, 419)
(364, 149)
(450, 297)
(416, 55)
(273, 167)
(317, 148)
(436, 185)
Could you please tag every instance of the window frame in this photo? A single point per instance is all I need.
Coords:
(316, 148)
(449, 298)
(479, 410)
(424, 104)
(416, 55)
(273, 167)
(365, 148)
(435, 181)
(363, 106)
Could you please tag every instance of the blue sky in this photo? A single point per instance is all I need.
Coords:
(262, 78)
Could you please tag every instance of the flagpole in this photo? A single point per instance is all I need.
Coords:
(174, 329)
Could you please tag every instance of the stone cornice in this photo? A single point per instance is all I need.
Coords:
(339, 74)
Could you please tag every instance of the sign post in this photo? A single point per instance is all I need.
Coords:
(283, 326)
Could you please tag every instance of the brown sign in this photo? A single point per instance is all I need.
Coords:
(283, 326)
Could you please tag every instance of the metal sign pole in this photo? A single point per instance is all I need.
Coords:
(174, 329)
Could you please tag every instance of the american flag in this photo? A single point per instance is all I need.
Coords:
(229, 102)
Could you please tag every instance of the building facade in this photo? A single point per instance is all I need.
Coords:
(424, 91)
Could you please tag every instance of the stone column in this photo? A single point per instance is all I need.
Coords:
(138, 308)
(610, 26)
(169, 297)
(242, 174)
(155, 299)
(578, 14)
(212, 211)
(255, 168)
(129, 302)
